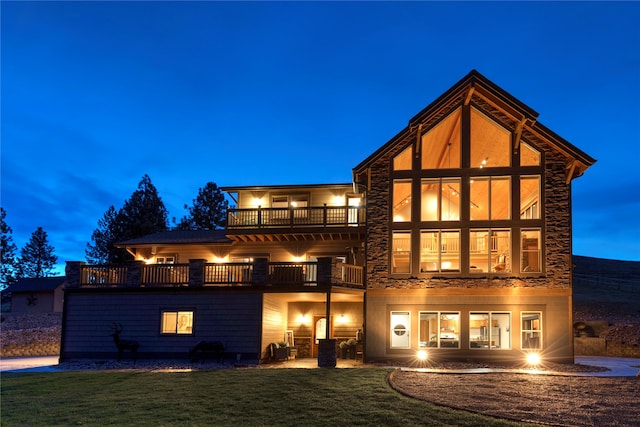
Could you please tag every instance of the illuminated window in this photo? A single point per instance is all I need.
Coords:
(531, 328)
(400, 329)
(439, 251)
(441, 144)
(402, 162)
(489, 330)
(177, 322)
(529, 156)
(530, 197)
(401, 253)
(490, 142)
(165, 260)
(440, 199)
(531, 251)
(490, 198)
(439, 330)
(490, 251)
(401, 201)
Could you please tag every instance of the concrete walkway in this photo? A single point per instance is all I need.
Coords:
(618, 366)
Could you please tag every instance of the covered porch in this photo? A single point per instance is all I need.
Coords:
(299, 322)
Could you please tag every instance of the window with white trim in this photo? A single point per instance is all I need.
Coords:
(177, 322)
(490, 330)
(439, 329)
(531, 329)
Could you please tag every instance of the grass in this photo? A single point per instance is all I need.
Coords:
(238, 397)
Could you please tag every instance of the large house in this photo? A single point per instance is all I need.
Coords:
(454, 239)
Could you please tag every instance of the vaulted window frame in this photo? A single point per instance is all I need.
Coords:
(514, 223)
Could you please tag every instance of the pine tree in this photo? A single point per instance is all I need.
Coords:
(8, 253)
(37, 258)
(144, 213)
(209, 210)
(100, 252)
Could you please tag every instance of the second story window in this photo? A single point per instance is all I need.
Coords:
(490, 198)
(530, 251)
(440, 199)
(530, 197)
(401, 200)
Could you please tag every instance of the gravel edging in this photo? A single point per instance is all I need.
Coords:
(562, 400)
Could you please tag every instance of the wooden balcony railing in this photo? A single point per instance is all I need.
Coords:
(318, 216)
(103, 276)
(350, 274)
(198, 273)
(228, 274)
(165, 275)
(305, 273)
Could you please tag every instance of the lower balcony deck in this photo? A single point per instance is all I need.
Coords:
(198, 273)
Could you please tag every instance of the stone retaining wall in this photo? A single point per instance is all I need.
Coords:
(32, 349)
(595, 346)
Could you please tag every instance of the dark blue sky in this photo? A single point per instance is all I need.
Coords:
(96, 94)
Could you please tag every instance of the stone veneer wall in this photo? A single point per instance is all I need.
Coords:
(557, 259)
(31, 349)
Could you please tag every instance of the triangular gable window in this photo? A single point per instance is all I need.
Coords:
(529, 156)
(490, 142)
(441, 144)
(402, 162)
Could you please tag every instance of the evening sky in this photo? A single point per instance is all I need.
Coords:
(97, 94)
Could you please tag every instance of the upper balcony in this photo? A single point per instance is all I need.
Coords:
(306, 217)
(308, 212)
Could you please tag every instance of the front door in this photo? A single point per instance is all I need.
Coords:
(319, 332)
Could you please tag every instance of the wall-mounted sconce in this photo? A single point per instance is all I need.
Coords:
(304, 319)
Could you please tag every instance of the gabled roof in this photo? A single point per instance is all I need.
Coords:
(179, 237)
(475, 84)
(40, 284)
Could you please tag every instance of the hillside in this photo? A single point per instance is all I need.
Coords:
(602, 300)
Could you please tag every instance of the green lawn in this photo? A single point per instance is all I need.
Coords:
(238, 397)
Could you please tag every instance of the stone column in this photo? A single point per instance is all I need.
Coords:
(73, 274)
(260, 272)
(134, 271)
(324, 271)
(327, 353)
(196, 272)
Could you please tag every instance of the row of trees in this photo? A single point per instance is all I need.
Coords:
(37, 257)
(142, 214)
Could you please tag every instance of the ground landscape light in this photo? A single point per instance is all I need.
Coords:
(422, 355)
(533, 359)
